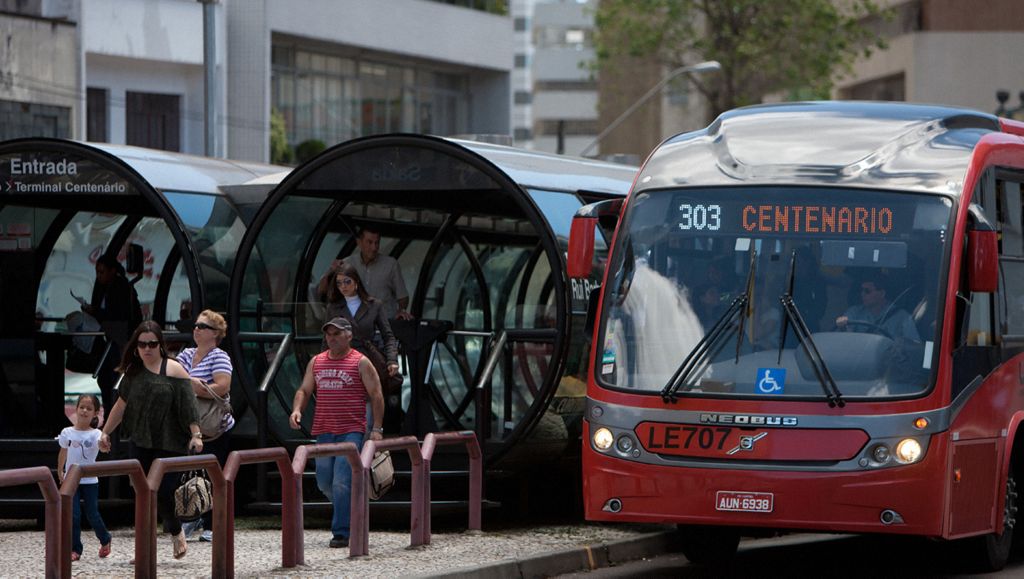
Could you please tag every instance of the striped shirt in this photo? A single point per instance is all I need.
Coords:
(340, 394)
(216, 361)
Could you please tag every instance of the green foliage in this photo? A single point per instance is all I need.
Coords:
(308, 149)
(280, 152)
(764, 46)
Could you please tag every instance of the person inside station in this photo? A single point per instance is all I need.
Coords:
(347, 298)
(876, 314)
(381, 274)
(115, 306)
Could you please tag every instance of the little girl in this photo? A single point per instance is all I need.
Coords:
(79, 444)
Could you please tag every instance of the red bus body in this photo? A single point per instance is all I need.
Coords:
(743, 460)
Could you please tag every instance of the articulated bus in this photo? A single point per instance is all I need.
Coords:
(812, 318)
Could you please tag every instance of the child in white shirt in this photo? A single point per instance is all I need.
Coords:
(79, 444)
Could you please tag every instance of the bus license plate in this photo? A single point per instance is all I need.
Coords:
(744, 502)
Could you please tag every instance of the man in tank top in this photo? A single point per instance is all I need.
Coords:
(343, 380)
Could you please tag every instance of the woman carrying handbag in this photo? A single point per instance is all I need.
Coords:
(158, 409)
(210, 368)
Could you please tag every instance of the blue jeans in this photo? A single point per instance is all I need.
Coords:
(90, 493)
(334, 478)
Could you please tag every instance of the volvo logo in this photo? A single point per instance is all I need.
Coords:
(748, 419)
(747, 443)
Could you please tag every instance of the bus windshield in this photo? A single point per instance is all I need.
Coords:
(775, 292)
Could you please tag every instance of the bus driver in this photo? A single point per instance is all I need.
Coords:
(876, 311)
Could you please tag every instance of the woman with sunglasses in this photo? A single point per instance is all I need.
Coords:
(347, 298)
(158, 408)
(210, 370)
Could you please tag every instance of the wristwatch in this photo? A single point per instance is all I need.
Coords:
(380, 430)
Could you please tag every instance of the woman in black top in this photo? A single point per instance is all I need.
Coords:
(158, 408)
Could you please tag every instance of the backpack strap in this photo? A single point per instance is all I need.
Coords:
(163, 366)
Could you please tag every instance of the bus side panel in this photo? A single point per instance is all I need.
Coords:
(973, 489)
(825, 501)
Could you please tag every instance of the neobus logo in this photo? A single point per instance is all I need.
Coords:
(752, 419)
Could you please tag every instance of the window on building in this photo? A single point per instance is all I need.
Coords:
(889, 88)
(332, 98)
(153, 120)
(521, 61)
(19, 119)
(96, 115)
(523, 97)
(521, 24)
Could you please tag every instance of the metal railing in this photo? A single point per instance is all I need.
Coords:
(59, 508)
(476, 475)
(145, 559)
(41, 476)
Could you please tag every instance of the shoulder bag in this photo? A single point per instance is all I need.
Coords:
(382, 475)
(213, 414)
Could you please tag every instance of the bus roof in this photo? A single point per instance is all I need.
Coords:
(555, 172)
(169, 171)
(860, 144)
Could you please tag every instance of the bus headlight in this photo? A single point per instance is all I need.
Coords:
(603, 438)
(908, 450)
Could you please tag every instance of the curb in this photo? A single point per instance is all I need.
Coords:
(585, 558)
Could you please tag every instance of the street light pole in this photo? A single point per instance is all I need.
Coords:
(706, 66)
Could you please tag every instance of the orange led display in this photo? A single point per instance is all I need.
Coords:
(816, 219)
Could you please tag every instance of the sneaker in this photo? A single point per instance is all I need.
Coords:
(77, 556)
(339, 542)
(206, 537)
(105, 550)
(190, 528)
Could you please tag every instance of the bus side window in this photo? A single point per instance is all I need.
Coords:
(976, 352)
(1011, 264)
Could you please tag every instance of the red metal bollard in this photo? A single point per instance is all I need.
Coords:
(412, 446)
(289, 537)
(476, 475)
(162, 466)
(357, 544)
(144, 558)
(41, 476)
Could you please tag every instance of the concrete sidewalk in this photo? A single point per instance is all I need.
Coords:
(527, 551)
(570, 560)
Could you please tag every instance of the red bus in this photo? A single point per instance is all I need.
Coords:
(812, 318)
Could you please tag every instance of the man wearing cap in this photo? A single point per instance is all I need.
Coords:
(343, 379)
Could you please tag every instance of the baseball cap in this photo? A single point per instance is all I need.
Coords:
(339, 322)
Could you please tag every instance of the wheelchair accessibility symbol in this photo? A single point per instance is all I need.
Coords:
(771, 380)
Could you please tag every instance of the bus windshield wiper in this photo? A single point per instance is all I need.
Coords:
(702, 352)
(803, 334)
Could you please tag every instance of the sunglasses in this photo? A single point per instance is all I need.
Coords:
(865, 290)
(345, 281)
(202, 326)
(149, 344)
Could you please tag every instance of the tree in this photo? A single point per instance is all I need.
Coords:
(280, 152)
(764, 46)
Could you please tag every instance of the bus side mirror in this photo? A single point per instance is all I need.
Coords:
(983, 261)
(581, 246)
(581, 234)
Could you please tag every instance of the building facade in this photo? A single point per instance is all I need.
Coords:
(555, 86)
(946, 52)
(132, 71)
(40, 73)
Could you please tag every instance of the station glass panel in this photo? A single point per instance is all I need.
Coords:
(216, 230)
